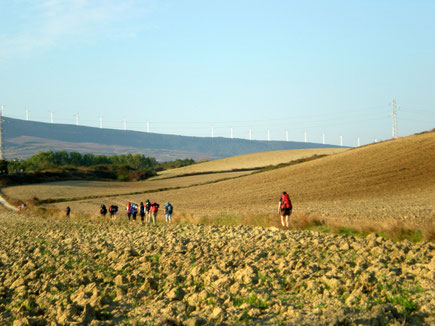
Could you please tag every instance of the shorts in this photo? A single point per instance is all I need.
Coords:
(286, 211)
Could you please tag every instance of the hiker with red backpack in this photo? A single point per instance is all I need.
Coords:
(154, 208)
(285, 209)
(129, 210)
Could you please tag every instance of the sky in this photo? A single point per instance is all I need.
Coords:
(270, 69)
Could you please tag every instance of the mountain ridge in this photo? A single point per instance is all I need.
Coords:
(23, 138)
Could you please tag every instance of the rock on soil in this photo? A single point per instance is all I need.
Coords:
(77, 272)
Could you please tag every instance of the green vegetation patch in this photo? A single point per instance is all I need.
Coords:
(55, 166)
(251, 300)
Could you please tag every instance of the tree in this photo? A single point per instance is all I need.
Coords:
(3, 167)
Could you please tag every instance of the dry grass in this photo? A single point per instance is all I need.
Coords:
(251, 161)
(303, 221)
(389, 181)
(386, 186)
(428, 229)
(83, 189)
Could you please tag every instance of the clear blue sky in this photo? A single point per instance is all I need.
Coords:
(310, 66)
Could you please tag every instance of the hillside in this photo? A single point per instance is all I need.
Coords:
(252, 161)
(24, 138)
(196, 174)
(392, 180)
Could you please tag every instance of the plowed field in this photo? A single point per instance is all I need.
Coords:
(86, 272)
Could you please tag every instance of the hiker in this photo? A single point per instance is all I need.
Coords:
(133, 211)
(168, 212)
(112, 210)
(154, 208)
(148, 210)
(142, 212)
(128, 208)
(103, 210)
(68, 211)
(285, 209)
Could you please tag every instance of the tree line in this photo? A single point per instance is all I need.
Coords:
(50, 160)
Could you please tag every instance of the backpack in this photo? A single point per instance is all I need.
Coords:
(285, 201)
(114, 208)
(154, 207)
(169, 208)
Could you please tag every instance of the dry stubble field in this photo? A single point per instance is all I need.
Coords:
(377, 184)
(251, 161)
(83, 189)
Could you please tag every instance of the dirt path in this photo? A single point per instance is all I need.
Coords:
(7, 205)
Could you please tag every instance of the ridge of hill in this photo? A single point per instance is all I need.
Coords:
(24, 138)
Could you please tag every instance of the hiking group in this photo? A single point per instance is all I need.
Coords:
(147, 212)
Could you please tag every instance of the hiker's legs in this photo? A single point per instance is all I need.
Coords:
(154, 217)
(287, 217)
(282, 220)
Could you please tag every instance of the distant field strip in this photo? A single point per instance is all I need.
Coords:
(58, 191)
(251, 161)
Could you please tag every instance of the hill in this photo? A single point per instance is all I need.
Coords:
(251, 161)
(388, 181)
(24, 138)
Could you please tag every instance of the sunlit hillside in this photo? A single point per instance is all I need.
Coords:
(250, 161)
(389, 180)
